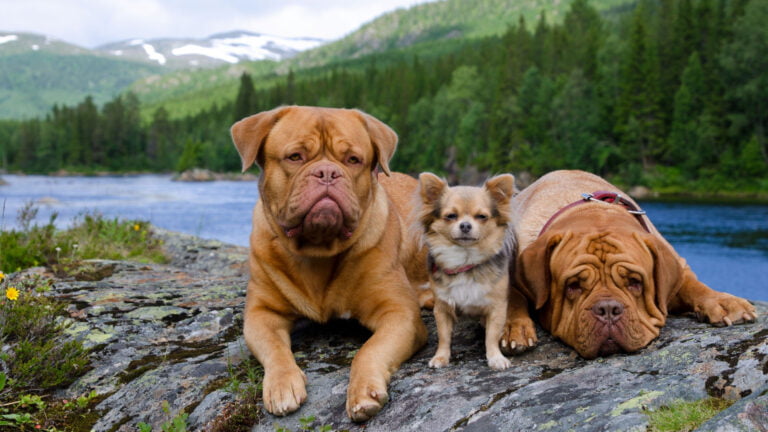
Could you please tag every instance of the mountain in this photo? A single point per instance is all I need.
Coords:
(218, 49)
(23, 43)
(442, 20)
(37, 72)
(420, 29)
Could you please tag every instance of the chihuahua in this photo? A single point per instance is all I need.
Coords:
(467, 231)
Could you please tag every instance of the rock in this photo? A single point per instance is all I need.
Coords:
(172, 332)
(641, 192)
(202, 175)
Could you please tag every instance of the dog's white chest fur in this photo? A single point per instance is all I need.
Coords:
(464, 293)
(461, 290)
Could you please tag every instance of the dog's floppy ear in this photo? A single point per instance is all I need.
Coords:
(667, 272)
(533, 275)
(383, 138)
(250, 133)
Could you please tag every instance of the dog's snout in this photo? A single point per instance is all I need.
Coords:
(465, 227)
(326, 173)
(608, 310)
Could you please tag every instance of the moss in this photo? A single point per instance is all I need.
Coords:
(683, 415)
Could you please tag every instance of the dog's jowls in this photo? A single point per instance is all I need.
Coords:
(467, 231)
(327, 243)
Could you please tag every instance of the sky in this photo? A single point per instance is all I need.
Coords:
(90, 23)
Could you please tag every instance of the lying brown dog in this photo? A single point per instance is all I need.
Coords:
(600, 275)
(328, 242)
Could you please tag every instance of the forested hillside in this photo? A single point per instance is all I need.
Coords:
(673, 95)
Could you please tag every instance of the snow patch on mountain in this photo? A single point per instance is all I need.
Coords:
(153, 54)
(222, 48)
(8, 38)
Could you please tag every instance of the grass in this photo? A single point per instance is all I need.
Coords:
(91, 236)
(683, 416)
(35, 355)
(244, 412)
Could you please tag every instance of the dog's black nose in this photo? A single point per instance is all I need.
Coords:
(608, 310)
(465, 227)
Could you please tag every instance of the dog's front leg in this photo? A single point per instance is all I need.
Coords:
(398, 332)
(267, 335)
(445, 316)
(494, 327)
(714, 307)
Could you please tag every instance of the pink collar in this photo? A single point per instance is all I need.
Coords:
(604, 197)
(453, 271)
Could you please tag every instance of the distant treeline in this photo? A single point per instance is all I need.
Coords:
(671, 95)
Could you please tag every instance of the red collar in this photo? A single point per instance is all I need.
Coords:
(453, 271)
(604, 197)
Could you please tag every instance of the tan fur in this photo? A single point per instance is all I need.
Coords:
(468, 226)
(327, 242)
(596, 257)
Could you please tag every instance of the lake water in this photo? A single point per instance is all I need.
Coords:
(725, 244)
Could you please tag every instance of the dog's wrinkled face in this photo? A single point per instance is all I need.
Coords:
(317, 164)
(465, 218)
(601, 292)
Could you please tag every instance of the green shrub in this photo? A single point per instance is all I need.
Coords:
(30, 326)
(91, 236)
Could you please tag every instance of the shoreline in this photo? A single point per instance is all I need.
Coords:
(640, 193)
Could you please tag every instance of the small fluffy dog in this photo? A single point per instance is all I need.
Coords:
(470, 244)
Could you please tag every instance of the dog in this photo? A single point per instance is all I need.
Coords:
(467, 232)
(327, 242)
(599, 275)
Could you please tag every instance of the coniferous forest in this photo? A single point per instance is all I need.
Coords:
(672, 94)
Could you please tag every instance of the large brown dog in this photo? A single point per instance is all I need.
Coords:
(602, 278)
(328, 242)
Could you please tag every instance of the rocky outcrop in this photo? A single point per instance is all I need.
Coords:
(172, 333)
(204, 175)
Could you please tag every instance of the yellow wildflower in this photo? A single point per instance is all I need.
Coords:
(12, 293)
(2, 276)
(136, 227)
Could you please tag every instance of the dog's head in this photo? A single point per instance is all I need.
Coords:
(318, 171)
(600, 282)
(465, 217)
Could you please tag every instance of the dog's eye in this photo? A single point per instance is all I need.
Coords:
(481, 217)
(635, 284)
(354, 160)
(451, 216)
(572, 289)
(294, 157)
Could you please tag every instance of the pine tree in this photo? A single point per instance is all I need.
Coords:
(246, 98)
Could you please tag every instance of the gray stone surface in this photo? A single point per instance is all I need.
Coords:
(172, 333)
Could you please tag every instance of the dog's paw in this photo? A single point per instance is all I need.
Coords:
(498, 362)
(724, 310)
(439, 361)
(365, 400)
(519, 335)
(284, 391)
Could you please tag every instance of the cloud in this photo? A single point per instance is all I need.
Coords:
(94, 22)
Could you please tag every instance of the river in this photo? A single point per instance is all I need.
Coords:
(726, 244)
